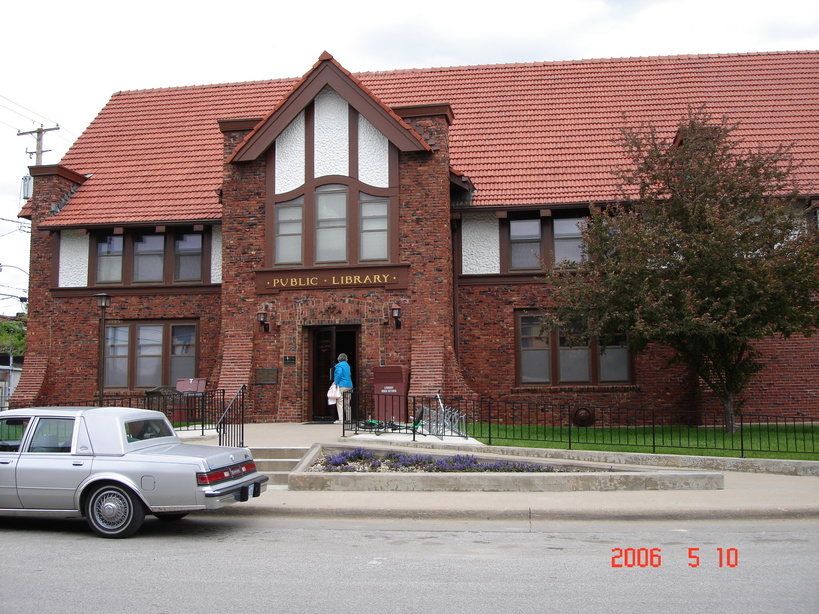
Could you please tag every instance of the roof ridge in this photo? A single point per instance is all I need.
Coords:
(652, 58)
(416, 70)
(282, 81)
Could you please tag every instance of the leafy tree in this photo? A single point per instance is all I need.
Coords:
(12, 337)
(710, 250)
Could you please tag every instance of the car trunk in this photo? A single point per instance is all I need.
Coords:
(215, 457)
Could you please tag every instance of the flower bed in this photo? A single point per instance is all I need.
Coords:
(363, 460)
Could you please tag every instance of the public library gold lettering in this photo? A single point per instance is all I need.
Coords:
(274, 281)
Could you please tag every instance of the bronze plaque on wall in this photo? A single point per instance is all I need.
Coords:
(267, 376)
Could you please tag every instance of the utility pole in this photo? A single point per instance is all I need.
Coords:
(39, 151)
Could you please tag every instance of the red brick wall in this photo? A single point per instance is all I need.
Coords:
(789, 384)
(426, 243)
(63, 333)
(243, 210)
(424, 344)
(488, 357)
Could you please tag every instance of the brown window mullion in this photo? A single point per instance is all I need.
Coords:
(169, 259)
(354, 226)
(167, 348)
(128, 259)
(308, 229)
(594, 357)
(505, 244)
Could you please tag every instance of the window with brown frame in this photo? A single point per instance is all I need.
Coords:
(149, 354)
(137, 257)
(531, 238)
(547, 358)
(334, 224)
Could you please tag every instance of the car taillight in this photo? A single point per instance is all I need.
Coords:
(226, 473)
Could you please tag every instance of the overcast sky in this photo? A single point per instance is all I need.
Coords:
(63, 60)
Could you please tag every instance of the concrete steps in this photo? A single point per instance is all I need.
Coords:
(277, 463)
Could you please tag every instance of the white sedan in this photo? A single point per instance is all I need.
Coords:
(114, 465)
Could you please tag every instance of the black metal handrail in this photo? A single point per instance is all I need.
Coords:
(231, 424)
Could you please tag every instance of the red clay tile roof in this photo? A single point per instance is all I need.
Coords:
(525, 134)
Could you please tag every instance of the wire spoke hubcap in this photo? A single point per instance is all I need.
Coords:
(111, 509)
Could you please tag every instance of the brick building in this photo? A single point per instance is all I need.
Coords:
(247, 233)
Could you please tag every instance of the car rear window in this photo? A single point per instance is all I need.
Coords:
(140, 430)
(11, 433)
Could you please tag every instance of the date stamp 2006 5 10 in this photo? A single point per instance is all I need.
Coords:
(652, 557)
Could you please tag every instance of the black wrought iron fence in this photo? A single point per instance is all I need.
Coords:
(420, 416)
(186, 411)
(564, 426)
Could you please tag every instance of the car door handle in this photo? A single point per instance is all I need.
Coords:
(78, 463)
(5, 462)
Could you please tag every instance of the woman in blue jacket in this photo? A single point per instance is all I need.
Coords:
(343, 379)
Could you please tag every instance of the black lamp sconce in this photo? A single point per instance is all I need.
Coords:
(395, 312)
(262, 317)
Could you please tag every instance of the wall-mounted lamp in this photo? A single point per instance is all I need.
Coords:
(103, 300)
(395, 311)
(261, 317)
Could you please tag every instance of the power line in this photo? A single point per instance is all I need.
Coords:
(9, 125)
(51, 121)
(32, 120)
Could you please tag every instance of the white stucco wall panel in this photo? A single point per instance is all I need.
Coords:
(332, 134)
(480, 252)
(290, 156)
(216, 255)
(373, 155)
(73, 271)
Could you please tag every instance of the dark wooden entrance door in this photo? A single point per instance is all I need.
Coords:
(327, 343)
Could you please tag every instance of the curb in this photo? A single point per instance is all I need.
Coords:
(375, 513)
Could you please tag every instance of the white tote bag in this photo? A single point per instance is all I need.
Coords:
(333, 394)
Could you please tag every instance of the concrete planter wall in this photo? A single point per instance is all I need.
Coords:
(599, 477)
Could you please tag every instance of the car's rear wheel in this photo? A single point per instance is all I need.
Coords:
(114, 511)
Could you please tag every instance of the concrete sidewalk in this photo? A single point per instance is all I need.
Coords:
(746, 495)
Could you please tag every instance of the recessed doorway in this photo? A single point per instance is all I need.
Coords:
(327, 342)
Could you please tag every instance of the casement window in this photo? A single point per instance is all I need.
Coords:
(149, 258)
(289, 225)
(374, 227)
(567, 240)
(140, 257)
(149, 354)
(334, 224)
(525, 243)
(187, 254)
(331, 224)
(551, 358)
(530, 239)
(109, 259)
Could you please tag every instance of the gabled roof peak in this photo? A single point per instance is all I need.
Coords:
(328, 72)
